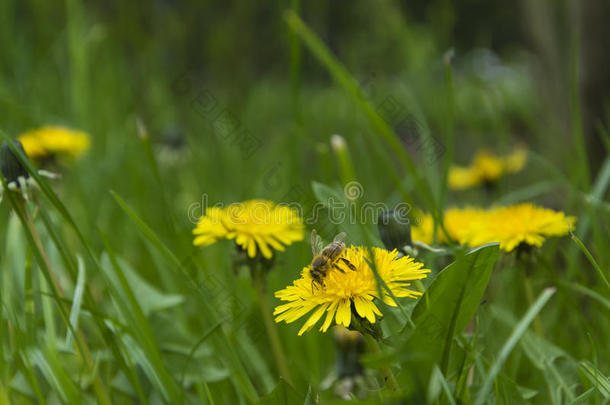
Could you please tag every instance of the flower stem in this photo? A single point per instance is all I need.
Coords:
(274, 338)
(529, 295)
(386, 372)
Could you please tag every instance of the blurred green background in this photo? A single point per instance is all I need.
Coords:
(193, 74)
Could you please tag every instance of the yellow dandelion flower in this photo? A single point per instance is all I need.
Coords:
(423, 229)
(515, 162)
(518, 224)
(510, 225)
(352, 292)
(459, 224)
(55, 141)
(462, 223)
(255, 225)
(461, 178)
(486, 167)
(210, 227)
(489, 166)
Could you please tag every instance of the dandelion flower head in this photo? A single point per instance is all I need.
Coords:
(486, 167)
(350, 292)
(518, 224)
(255, 225)
(512, 225)
(459, 223)
(55, 141)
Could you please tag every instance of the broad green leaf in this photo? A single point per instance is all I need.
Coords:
(150, 298)
(449, 305)
(326, 195)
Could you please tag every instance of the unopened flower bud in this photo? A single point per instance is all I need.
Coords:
(10, 166)
(337, 142)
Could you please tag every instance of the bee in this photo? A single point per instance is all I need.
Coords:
(326, 257)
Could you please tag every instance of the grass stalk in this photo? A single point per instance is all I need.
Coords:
(99, 387)
(529, 296)
(274, 338)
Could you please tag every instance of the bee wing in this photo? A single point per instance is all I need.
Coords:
(316, 243)
(340, 237)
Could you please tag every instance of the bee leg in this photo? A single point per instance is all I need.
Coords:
(316, 284)
(338, 268)
(348, 264)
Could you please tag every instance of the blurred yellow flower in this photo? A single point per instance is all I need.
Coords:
(55, 141)
(486, 167)
(352, 292)
(521, 223)
(423, 229)
(458, 224)
(255, 225)
(510, 225)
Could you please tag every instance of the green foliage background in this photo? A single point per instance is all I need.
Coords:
(161, 321)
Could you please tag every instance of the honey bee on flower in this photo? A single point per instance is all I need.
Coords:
(350, 295)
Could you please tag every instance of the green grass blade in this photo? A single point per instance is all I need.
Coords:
(141, 329)
(582, 398)
(513, 339)
(342, 76)
(589, 256)
(603, 301)
(77, 301)
(212, 316)
(597, 378)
